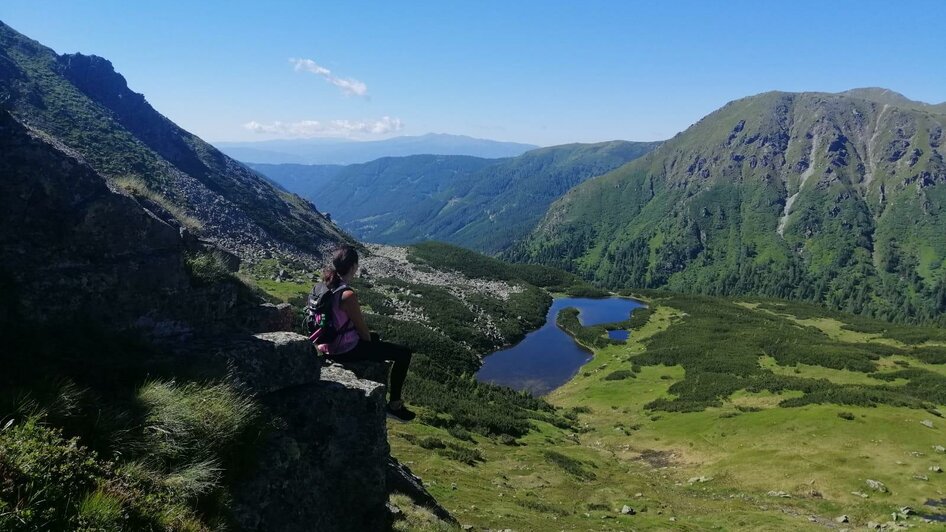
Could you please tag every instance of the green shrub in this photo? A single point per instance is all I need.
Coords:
(544, 507)
(718, 343)
(846, 415)
(466, 455)
(207, 269)
(190, 423)
(44, 477)
(430, 442)
(506, 439)
(571, 466)
(100, 511)
(461, 433)
(639, 317)
(618, 375)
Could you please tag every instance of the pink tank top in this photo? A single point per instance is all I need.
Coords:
(346, 340)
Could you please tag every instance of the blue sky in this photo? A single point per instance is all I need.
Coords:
(539, 72)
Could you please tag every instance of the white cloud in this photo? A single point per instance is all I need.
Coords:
(331, 128)
(348, 86)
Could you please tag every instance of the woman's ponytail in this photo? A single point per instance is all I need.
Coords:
(344, 258)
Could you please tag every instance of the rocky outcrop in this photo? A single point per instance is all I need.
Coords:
(72, 247)
(76, 249)
(401, 479)
(323, 465)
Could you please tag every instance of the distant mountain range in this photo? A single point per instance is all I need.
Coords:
(833, 198)
(344, 151)
(482, 204)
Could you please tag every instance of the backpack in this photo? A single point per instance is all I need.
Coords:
(319, 319)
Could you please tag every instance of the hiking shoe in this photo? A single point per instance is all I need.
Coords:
(398, 412)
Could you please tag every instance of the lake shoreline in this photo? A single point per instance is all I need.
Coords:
(550, 356)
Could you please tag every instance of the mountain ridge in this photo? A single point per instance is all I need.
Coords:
(816, 196)
(81, 101)
(483, 204)
(349, 151)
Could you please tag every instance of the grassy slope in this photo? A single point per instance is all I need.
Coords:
(629, 450)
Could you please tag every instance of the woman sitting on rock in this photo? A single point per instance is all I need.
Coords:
(354, 341)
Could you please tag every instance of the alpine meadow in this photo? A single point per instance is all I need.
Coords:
(633, 266)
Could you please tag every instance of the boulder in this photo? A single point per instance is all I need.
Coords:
(263, 363)
(627, 510)
(842, 519)
(268, 317)
(877, 485)
(369, 370)
(324, 466)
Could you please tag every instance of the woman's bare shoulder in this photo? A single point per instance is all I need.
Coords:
(348, 294)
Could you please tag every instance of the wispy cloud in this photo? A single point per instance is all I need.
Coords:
(348, 86)
(332, 128)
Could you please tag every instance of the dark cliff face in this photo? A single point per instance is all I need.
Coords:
(97, 79)
(72, 246)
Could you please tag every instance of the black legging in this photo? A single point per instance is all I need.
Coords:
(379, 351)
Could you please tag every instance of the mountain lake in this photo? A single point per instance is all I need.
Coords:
(546, 358)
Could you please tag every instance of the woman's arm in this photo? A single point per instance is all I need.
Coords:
(353, 309)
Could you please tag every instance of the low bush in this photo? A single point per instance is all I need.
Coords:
(461, 433)
(208, 268)
(719, 342)
(570, 465)
(618, 375)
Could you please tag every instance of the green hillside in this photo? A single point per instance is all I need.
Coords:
(483, 204)
(831, 198)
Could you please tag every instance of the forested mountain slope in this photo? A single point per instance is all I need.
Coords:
(832, 198)
(483, 204)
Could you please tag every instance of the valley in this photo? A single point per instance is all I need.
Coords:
(772, 356)
(750, 461)
(720, 413)
(482, 204)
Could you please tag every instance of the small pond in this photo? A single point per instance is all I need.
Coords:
(546, 358)
(619, 334)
